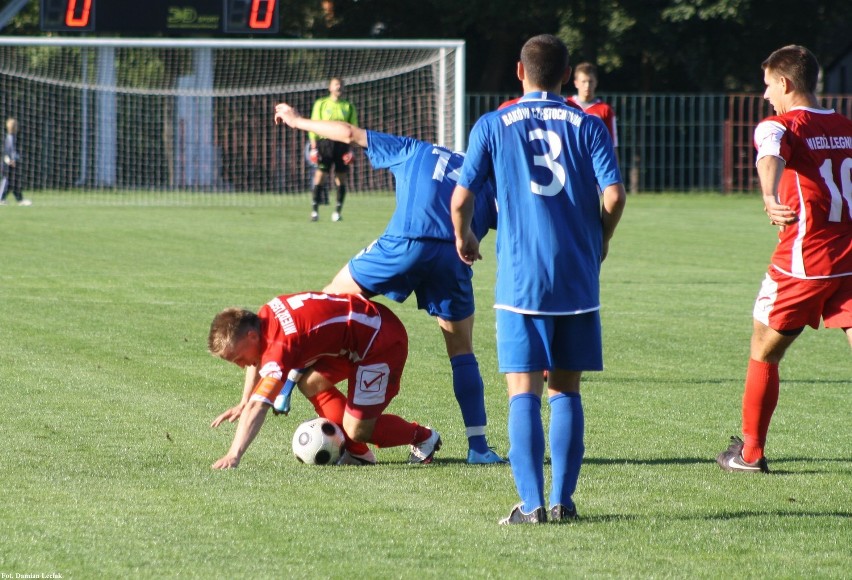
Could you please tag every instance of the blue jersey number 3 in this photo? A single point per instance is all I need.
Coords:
(548, 160)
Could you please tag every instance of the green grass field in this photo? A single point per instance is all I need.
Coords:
(108, 392)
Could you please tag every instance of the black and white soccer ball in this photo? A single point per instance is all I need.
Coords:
(318, 442)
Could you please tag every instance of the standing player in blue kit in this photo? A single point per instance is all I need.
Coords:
(549, 162)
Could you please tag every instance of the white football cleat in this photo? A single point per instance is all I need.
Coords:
(424, 452)
(368, 458)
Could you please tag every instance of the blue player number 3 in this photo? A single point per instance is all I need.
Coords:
(548, 160)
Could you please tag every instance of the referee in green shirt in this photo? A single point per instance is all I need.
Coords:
(326, 153)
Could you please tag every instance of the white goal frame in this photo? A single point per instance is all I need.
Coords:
(447, 64)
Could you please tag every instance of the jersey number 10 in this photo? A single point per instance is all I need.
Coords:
(835, 214)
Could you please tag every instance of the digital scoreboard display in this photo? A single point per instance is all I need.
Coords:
(161, 16)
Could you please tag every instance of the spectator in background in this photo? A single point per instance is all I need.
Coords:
(12, 180)
(586, 83)
(328, 154)
(803, 163)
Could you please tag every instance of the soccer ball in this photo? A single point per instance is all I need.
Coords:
(318, 442)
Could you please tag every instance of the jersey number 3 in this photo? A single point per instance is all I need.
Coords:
(551, 161)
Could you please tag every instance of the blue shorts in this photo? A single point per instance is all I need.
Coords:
(432, 269)
(537, 342)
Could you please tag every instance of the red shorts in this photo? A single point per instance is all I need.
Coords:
(373, 381)
(788, 303)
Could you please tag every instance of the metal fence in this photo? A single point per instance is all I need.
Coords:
(681, 142)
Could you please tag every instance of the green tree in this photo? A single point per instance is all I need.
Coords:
(639, 45)
(645, 45)
(698, 45)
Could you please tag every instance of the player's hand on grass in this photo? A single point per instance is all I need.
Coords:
(226, 462)
(230, 415)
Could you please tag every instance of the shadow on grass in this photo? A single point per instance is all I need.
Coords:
(724, 516)
(773, 463)
(709, 462)
(643, 380)
(660, 461)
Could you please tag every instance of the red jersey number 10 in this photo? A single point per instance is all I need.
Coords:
(838, 194)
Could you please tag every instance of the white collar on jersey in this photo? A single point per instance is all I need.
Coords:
(541, 96)
(812, 110)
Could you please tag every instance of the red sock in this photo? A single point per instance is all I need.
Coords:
(393, 431)
(759, 401)
(331, 404)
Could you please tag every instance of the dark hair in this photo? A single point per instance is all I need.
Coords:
(545, 59)
(795, 63)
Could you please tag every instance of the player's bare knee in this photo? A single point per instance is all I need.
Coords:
(769, 345)
(358, 432)
(312, 383)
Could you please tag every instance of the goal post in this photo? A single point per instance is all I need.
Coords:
(195, 115)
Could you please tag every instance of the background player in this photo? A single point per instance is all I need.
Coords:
(370, 348)
(328, 154)
(12, 179)
(552, 235)
(416, 252)
(804, 162)
(586, 83)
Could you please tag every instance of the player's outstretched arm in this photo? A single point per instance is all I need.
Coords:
(234, 412)
(334, 130)
(254, 414)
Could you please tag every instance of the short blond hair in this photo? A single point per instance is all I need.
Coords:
(229, 327)
(586, 68)
(11, 125)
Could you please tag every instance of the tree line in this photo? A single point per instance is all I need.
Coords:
(638, 45)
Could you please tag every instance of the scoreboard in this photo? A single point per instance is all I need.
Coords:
(201, 17)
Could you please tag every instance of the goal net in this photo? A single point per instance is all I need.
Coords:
(167, 118)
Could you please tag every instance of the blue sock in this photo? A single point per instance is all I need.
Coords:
(470, 394)
(566, 446)
(526, 449)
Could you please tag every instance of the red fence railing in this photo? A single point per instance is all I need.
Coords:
(744, 112)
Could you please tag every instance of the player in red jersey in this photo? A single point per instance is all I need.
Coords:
(804, 162)
(341, 337)
(586, 83)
